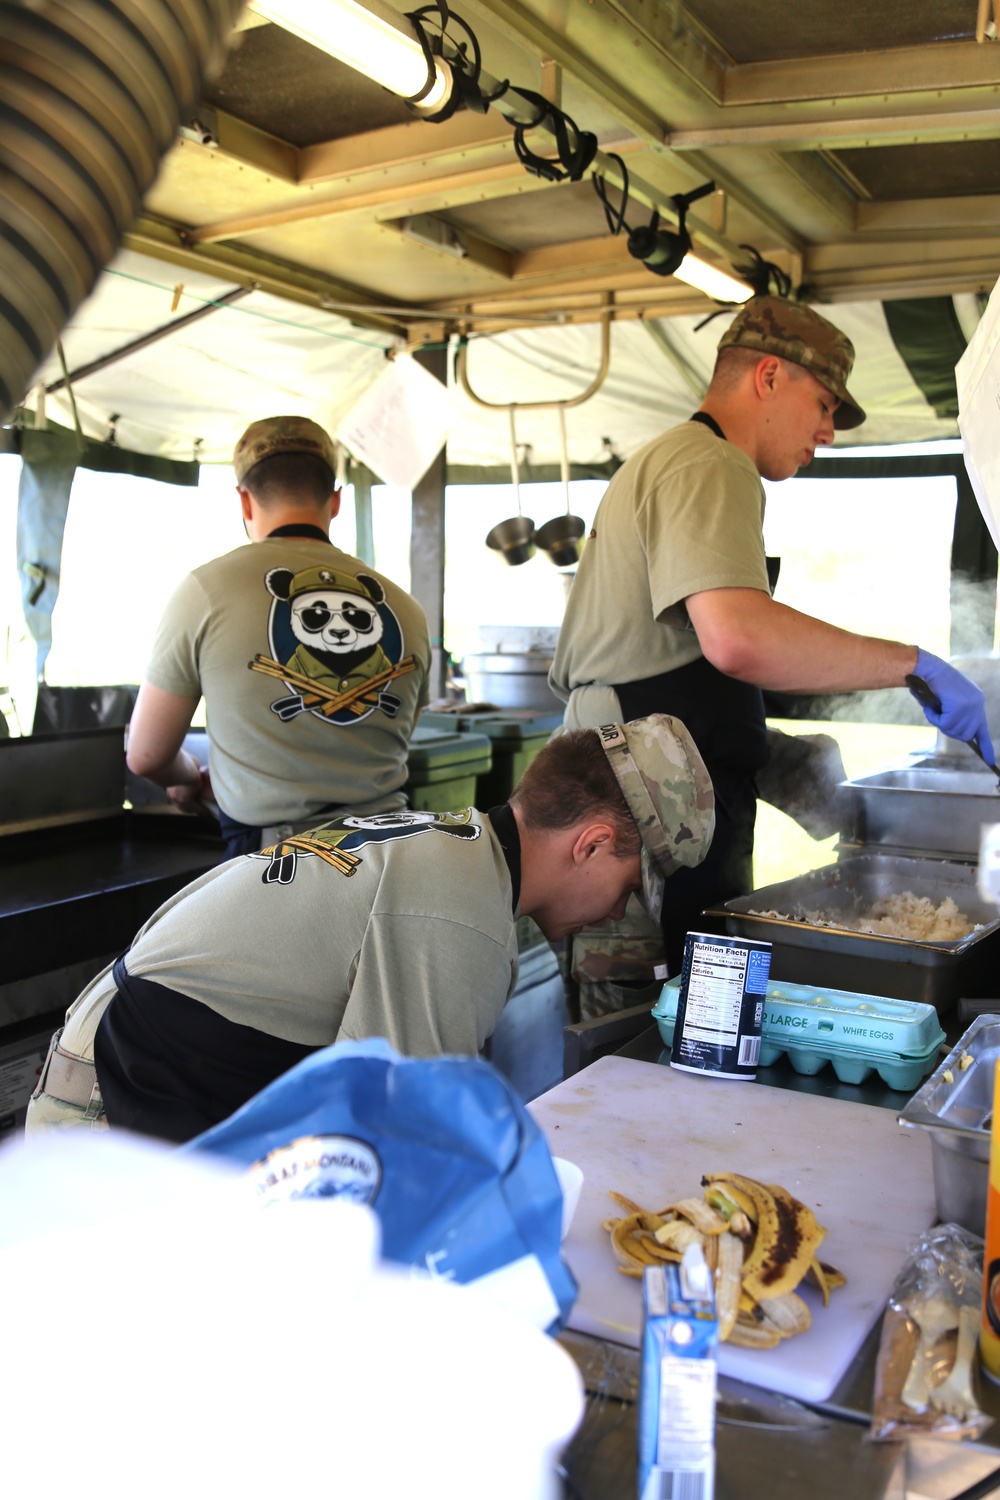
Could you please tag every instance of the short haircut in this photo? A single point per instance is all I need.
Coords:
(569, 781)
(732, 363)
(298, 477)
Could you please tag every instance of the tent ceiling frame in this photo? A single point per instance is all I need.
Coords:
(165, 242)
(683, 111)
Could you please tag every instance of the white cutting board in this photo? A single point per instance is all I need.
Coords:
(651, 1132)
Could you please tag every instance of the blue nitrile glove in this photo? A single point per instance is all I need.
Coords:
(963, 707)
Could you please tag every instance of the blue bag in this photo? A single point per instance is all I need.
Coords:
(441, 1148)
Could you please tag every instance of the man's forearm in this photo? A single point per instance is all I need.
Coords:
(751, 637)
(181, 770)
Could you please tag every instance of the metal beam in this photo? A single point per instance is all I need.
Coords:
(875, 270)
(245, 143)
(348, 202)
(427, 538)
(280, 278)
(844, 130)
(72, 377)
(941, 69)
(416, 143)
(980, 212)
(516, 21)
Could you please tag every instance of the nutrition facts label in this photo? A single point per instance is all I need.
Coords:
(715, 993)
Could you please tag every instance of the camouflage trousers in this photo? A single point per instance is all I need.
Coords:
(619, 964)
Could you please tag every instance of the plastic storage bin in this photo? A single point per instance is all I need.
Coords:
(858, 1034)
(515, 736)
(442, 768)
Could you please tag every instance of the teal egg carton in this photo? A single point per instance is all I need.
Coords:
(857, 1034)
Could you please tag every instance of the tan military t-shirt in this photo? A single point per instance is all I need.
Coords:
(399, 928)
(683, 515)
(308, 708)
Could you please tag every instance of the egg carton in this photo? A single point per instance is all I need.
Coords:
(857, 1034)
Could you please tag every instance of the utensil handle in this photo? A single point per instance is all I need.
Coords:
(514, 472)
(922, 690)
(564, 456)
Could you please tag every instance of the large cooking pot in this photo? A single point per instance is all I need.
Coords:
(511, 679)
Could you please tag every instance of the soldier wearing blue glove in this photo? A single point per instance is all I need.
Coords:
(671, 609)
(952, 704)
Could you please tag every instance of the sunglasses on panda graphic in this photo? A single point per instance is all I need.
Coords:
(316, 617)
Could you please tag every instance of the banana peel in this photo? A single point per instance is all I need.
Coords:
(759, 1242)
(786, 1241)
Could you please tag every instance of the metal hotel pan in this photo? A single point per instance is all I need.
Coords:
(924, 807)
(804, 953)
(955, 1106)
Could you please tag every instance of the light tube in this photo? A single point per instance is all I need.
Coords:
(371, 38)
(718, 285)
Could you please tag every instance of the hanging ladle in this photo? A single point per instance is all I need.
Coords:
(514, 538)
(560, 537)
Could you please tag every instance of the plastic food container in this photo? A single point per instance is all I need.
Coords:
(515, 736)
(442, 768)
(858, 1034)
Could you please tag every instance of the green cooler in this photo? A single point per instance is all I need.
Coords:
(515, 736)
(443, 766)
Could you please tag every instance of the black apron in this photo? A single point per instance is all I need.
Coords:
(727, 722)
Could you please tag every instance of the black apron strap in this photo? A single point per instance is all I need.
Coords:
(726, 721)
(709, 422)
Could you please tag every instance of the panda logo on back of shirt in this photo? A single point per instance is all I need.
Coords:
(335, 643)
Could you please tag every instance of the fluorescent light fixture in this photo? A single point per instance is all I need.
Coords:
(716, 284)
(372, 38)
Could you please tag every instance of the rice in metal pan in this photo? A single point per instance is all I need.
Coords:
(902, 915)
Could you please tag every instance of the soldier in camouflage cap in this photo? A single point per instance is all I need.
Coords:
(313, 667)
(792, 331)
(282, 435)
(669, 794)
(400, 924)
(671, 610)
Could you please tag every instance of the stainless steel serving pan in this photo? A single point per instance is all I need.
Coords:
(955, 1106)
(936, 973)
(925, 806)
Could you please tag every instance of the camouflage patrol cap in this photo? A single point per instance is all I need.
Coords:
(669, 794)
(282, 435)
(794, 332)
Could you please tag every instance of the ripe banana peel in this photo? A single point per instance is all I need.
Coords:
(786, 1241)
(759, 1242)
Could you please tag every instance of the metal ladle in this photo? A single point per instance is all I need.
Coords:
(560, 537)
(515, 537)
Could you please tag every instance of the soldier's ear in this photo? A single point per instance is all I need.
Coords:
(372, 585)
(278, 582)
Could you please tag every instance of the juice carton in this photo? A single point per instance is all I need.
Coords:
(677, 1381)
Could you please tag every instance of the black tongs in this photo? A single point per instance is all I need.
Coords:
(926, 694)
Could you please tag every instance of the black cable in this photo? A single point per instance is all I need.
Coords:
(466, 72)
(763, 274)
(615, 219)
(575, 148)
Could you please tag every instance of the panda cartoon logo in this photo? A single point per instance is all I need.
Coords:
(335, 643)
(337, 843)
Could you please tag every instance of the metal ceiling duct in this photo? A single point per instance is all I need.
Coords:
(91, 95)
